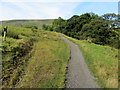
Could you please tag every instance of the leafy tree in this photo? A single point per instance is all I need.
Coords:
(44, 27)
(112, 18)
(47, 27)
(31, 26)
(57, 24)
(90, 27)
(98, 31)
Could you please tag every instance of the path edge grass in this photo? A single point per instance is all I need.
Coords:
(97, 79)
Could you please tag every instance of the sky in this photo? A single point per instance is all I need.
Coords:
(35, 9)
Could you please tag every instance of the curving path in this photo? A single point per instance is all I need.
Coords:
(78, 74)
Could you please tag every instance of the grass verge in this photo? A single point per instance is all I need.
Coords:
(102, 61)
(33, 58)
(47, 67)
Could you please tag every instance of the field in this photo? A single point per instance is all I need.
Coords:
(20, 23)
(32, 53)
(102, 61)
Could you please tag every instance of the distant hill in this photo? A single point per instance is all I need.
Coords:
(37, 22)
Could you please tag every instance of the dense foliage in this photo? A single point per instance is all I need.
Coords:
(16, 53)
(89, 26)
(31, 26)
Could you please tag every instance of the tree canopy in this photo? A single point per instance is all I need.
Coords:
(89, 26)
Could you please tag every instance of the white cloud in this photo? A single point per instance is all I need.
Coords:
(42, 0)
(60, 0)
(39, 10)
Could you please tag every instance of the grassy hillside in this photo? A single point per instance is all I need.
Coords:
(38, 23)
(102, 61)
(33, 58)
(47, 66)
(15, 54)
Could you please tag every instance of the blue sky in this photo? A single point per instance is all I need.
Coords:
(99, 8)
(50, 10)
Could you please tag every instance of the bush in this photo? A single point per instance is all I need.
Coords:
(31, 26)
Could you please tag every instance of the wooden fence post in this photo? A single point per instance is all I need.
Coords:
(5, 33)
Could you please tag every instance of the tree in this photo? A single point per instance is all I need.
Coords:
(31, 26)
(47, 27)
(98, 31)
(112, 18)
(90, 27)
(58, 24)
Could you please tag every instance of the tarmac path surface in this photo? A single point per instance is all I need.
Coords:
(78, 74)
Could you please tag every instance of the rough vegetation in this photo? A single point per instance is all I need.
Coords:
(32, 52)
(15, 54)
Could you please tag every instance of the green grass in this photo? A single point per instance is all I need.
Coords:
(102, 61)
(37, 22)
(47, 67)
(34, 59)
(15, 53)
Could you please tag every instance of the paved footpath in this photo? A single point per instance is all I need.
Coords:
(78, 75)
